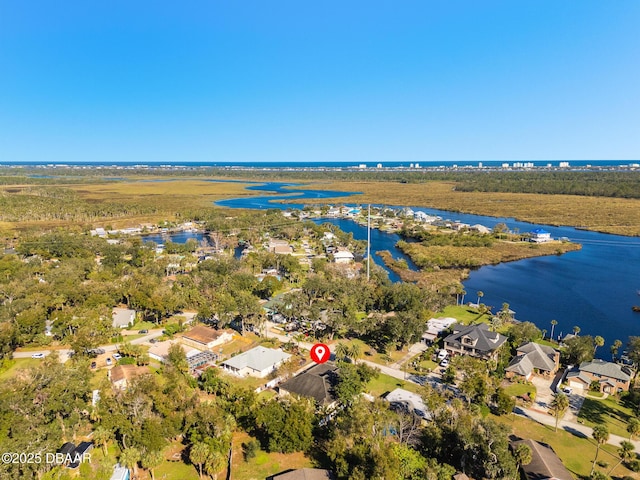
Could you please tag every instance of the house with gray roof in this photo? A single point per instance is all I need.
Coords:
(474, 340)
(123, 317)
(545, 464)
(317, 382)
(613, 378)
(257, 362)
(534, 359)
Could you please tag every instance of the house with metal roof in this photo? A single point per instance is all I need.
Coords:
(611, 377)
(474, 340)
(540, 235)
(534, 359)
(257, 362)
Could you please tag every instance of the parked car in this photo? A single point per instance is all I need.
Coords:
(444, 363)
(94, 365)
(109, 362)
(144, 331)
(442, 354)
(117, 356)
(37, 355)
(153, 340)
(567, 390)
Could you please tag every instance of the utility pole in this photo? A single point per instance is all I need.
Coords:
(369, 244)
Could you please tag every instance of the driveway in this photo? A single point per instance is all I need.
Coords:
(544, 393)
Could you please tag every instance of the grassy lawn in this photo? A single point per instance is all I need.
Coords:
(18, 364)
(464, 314)
(176, 470)
(377, 357)
(517, 389)
(143, 326)
(575, 452)
(607, 411)
(385, 383)
(264, 464)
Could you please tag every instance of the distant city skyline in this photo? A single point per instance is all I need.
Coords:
(285, 81)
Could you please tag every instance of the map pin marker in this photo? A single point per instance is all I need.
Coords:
(320, 353)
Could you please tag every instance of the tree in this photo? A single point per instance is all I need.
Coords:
(626, 452)
(559, 406)
(152, 460)
(633, 427)
(198, 455)
(354, 352)
(579, 349)
(600, 435)
(598, 341)
(342, 350)
(480, 295)
(214, 463)
(177, 358)
(129, 459)
(102, 436)
(504, 402)
(553, 326)
(576, 330)
(614, 349)
(523, 456)
(633, 349)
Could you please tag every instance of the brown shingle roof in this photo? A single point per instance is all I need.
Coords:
(126, 372)
(203, 334)
(544, 464)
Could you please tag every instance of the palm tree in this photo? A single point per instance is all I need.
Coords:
(215, 462)
(626, 452)
(129, 459)
(152, 460)
(198, 455)
(102, 436)
(559, 406)
(522, 454)
(600, 435)
(598, 341)
(576, 330)
(480, 295)
(354, 352)
(614, 349)
(553, 325)
(633, 427)
(342, 350)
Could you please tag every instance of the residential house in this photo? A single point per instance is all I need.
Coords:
(160, 351)
(304, 474)
(206, 338)
(611, 377)
(540, 235)
(80, 454)
(474, 340)
(121, 375)
(280, 247)
(343, 256)
(435, 327)
(317, 382)
(534, 359)
(544, 464)
(123, 317)
(408, 402)
(257, 362)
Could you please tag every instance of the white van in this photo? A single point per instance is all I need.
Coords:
(442, 354)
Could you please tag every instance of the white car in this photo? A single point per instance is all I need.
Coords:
(37, 355)
(442, 354)
(567, 390)
(117, 356)
(444, 363)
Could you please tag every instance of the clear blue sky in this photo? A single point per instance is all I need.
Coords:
(242, 81)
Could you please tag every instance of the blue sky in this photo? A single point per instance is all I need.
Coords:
(357, 81)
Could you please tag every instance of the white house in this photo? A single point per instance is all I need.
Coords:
(123, 317)
(540, 235)
(343, 256)
(257, 362)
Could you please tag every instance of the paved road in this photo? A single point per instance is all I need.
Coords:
(112, 347)
(572, 427)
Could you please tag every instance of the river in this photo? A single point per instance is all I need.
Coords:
(593, 288)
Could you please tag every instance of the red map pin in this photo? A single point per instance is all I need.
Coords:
(320, 353)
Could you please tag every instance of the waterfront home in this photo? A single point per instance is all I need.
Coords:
(474, 340)
(540, 235)
(257, 362)
(280, 247)
(435, 327)
(611, 377)
(123, 317)
(534, 359)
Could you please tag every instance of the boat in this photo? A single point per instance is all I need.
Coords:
(636, 308)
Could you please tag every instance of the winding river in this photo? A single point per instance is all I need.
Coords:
(593, 288)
